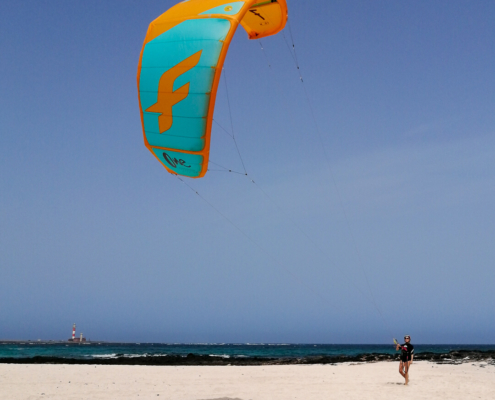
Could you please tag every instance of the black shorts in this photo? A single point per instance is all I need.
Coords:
(405, 358)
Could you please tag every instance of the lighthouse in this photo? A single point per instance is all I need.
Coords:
(79, 340)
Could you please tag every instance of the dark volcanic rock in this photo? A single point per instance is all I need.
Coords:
(453, 357)
(458, 356)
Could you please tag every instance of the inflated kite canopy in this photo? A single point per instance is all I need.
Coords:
(179, 71)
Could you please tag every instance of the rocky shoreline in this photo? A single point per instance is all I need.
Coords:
(453, 357)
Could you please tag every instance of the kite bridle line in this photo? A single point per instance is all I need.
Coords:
(231, 120)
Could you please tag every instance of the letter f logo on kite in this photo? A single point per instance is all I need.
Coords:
(167, 97)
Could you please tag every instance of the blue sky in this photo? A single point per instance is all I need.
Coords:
(93, 230)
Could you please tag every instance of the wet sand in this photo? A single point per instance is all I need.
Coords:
(280, 382)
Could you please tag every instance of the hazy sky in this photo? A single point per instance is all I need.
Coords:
(94, 230)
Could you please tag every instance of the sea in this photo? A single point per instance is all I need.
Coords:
(96, 350)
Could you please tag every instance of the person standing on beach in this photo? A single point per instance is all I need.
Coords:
(406, 357)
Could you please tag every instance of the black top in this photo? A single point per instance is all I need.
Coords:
(407, 351)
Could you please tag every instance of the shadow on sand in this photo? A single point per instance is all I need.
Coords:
(223, 398)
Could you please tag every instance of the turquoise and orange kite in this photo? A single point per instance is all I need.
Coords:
(179, 71)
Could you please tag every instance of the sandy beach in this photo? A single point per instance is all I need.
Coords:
(344, 381)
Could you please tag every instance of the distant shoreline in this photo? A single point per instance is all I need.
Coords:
(38, 341)
(54, 342)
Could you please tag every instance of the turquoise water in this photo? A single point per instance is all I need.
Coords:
(111, 350)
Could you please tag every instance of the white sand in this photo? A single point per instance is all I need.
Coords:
(343, 382)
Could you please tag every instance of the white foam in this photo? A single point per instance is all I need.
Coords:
(113, 355)
(144, 355)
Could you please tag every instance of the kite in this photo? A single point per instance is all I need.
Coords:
(179, 71)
